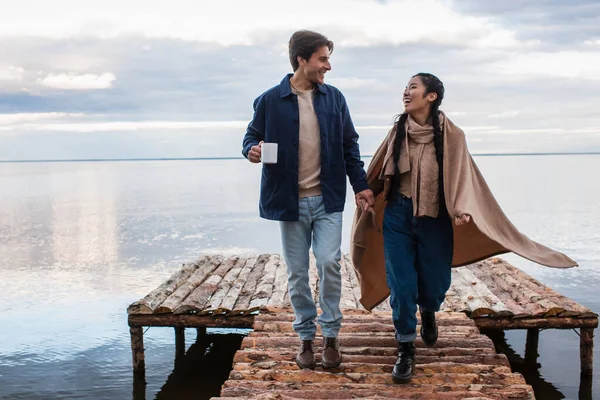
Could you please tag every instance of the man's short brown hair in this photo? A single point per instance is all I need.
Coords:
(304, 44)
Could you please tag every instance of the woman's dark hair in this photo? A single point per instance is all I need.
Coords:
(432, 85)
(304, 44)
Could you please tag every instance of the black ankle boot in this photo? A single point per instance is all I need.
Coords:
(429, 331)
(405, 364)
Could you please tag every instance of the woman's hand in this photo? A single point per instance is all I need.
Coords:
(463, 219)
(365, 199)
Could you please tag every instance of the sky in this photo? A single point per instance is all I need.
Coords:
(144, 79)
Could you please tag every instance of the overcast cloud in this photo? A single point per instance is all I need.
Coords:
(177, 79)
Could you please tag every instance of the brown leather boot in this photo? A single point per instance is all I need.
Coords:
(306, 356)
(332, 356)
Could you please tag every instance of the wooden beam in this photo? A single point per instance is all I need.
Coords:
(137, 348)
(586, 349)
(179, 343)
(192, 320)
(539, 323)
(585, 387)
(531, 346)
(200, 334)
(139, 386)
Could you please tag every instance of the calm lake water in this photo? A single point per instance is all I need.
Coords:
(80, 241)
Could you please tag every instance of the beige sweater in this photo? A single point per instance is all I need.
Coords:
(309, 152)
(418, 167)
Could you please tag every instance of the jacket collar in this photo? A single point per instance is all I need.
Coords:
(285, 90)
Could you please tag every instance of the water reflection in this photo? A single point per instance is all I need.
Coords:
(199, 372)
(530, 369)
(84, 224)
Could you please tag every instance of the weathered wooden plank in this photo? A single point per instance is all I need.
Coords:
(464, 341)
(419, 377)
(198, 298)
(492, 301)
(264, 288)
(505, 287)
(481, 271)
(384, 306)
(243, 302)
(192, 320)
(347, 299)
(355, 284)
(350, 367)
(286, 299)
(232, 295)
(343, 335)
(552, 301)
(477, 306)
(175, 299)
(224, 286)
(373, 326)
(455, 302)
(469, 357)
(150, 302)
(308, 390)
(250, 354)
(280, 286)
(538, 303)
(357, 315)
(540, 323)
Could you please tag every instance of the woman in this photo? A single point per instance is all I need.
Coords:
(436, 212)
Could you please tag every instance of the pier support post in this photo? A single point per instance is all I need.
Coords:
(586, 349)
(531, 346)
(200, 334)
(179, 343)
(137, 348)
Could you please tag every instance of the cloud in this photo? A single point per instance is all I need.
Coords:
(19, 118)
(11, 73)
(504, 114)
(565, 64)
(592, 42)
(138, 125)
(78, 82)
(227, 23)
(352, 83)
(63, 122)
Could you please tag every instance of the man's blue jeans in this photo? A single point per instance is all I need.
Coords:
(324, 231)
(418, 258)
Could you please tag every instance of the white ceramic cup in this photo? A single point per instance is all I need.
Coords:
(269, 153)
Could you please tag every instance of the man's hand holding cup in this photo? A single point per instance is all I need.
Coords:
(255, 153)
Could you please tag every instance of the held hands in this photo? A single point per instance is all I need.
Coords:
(365, 199)
(461, 220)
(255, 153)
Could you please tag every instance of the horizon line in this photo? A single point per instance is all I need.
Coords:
(242, 158)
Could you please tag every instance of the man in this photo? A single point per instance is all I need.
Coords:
(306, 189)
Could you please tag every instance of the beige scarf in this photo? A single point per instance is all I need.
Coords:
(417, 155)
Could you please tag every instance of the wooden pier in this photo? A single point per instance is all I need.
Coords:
(463, 363)
(242, 292)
